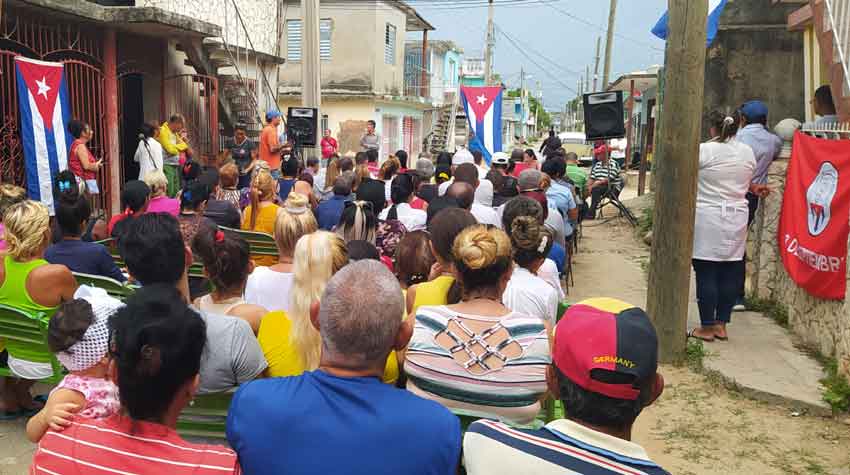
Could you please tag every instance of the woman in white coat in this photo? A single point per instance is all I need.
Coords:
(149, 152)
(726, 169)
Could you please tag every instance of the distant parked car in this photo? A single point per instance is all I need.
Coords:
(576, 142)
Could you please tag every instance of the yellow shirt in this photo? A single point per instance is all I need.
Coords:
(264, 224)
(172, 144)
(435, 292)
(281, 355)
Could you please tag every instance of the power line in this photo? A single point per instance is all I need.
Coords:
(542, 68)
(600, 28)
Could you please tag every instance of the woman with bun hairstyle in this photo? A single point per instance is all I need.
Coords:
(444, 362)
(227, 264)
(726, 169)
(9, 195)
(270, 286)
(72, 215)
(526, 292)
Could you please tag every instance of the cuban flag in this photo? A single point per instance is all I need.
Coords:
(483, 106)
(45, 113)
(715, 9)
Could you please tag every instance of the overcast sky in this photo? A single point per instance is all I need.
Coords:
(562, 46)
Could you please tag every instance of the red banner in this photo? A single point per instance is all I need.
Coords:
(813, 226)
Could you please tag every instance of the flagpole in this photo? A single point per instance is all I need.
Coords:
(668, 295)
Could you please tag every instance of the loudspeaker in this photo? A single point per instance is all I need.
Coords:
(302, 124)
(603, 115)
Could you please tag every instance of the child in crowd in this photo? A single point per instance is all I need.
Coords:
(79, 336)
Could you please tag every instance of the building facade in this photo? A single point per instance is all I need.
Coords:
(362, 72)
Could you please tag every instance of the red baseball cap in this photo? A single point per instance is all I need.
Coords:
(606, 346)
(600, 149)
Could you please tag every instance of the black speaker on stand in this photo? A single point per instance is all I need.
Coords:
(302, 123)
(603, 116)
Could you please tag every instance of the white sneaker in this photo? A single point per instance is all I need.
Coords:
(739, 307)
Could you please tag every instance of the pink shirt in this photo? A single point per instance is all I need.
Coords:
(164, 204)
(101, 395)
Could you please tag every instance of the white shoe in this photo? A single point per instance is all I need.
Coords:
(739, 307)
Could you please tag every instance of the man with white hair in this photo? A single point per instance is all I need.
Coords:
(341, 418)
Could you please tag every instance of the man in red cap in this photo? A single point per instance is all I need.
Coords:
(604, 178)
(604, 370)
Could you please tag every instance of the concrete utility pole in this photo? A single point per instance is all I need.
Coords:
(609, 43)
(675, 196)
(311, 78)
(491, 44)
(596, 67)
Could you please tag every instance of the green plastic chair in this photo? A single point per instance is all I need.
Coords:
(112, 287)
(205, 416)
(563, 306)
(25, 334)
(262, 244)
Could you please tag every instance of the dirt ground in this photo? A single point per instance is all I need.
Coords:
(698, 426)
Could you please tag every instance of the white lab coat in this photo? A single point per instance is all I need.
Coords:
(725, 173)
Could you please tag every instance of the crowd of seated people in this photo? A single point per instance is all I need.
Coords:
(376, 317)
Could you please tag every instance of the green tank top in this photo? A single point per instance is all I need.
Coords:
(14, 293)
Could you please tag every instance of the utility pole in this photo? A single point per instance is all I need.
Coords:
(609, 43)
(311, 79)
(676, 170)
(539, 106)
(596, 67)
(491, 44)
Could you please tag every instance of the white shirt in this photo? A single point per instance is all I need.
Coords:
(441, 190)
(725, 173)
(529, 294)
(269, 289)
(412, 219)
(485, 215)
(148, 161)
(549, 273)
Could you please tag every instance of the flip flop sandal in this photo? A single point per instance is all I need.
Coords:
(721, 338)
(42, 398)
(691, 334)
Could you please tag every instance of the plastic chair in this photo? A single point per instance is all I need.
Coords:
(25, 334)
(262, 244)
(112, 287)
(205, 416)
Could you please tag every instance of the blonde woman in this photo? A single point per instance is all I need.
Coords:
(159, 201)
(270, 286)
(9, 195)
(443, 361)
(30, 283)
(289, 341)
(261, 214)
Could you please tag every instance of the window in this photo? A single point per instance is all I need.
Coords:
(325, 40)
(294, 35)
(389, 44)
(293, 40)
(325, 125)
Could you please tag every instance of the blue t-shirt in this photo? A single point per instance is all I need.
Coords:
(559, 255)
(319, 423)
(84, 257)
(329, 211)
(285, 187)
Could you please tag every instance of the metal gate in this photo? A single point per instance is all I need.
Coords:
(195, 96)
(79, 49)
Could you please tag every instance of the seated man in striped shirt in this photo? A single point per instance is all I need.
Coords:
(604, 370)
(156, 343)
(604, 178)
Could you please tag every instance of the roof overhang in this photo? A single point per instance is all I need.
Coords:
(415, 22)
(642, 82)
(800, 18)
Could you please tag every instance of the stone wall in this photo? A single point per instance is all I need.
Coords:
(821, 324)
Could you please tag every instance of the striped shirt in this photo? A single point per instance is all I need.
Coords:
(611, 172)
(119, 445)
(477, 365)
(562, 446)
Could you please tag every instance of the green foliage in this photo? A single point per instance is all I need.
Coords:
(770, 308)
(837, 388)
(645, 220)
(694, 354)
